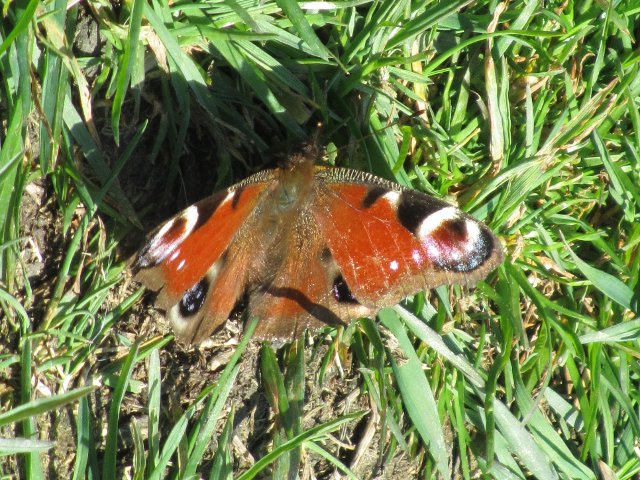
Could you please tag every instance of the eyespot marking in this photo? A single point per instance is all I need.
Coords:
(456, 243)
(341, 291)
(193, 299)
(436, 220)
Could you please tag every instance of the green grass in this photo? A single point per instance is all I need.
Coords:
(116, 115)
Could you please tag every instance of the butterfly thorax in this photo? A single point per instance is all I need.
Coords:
(294, 184)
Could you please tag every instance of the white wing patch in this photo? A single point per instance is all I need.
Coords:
(434, 221)
(160, 248)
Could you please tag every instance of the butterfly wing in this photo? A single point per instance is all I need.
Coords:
(196, 262)
(390, 242)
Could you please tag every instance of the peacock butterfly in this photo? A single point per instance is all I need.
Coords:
(307, 245)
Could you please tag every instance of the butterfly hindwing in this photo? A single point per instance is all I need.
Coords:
(303, 290)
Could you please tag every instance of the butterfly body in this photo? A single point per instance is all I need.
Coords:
(307, 245)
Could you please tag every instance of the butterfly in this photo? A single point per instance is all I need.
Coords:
(307, 245)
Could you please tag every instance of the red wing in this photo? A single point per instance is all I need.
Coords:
(390, 243)
(207, 305)
(187, 260)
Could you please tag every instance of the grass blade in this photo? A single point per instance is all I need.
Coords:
(111, 448)
(417, 395)
(606, 283)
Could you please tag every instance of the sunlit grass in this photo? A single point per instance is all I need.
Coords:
(114, 116)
